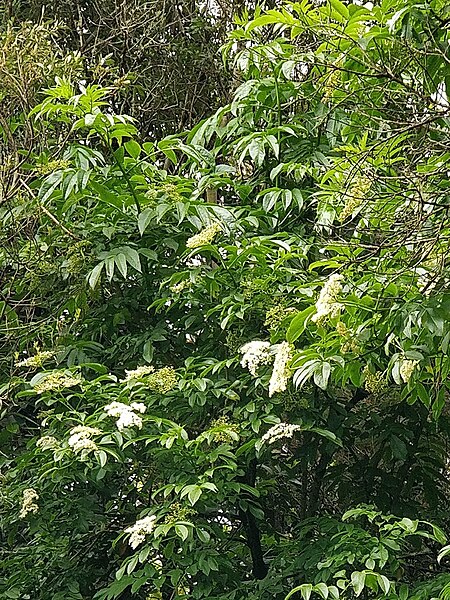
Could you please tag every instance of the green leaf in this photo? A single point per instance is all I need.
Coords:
(121, 263)
(144, 219)
(194, 494)
(182, 531)
(133, 148)
(299, 323)
(358, 579)
(94, 275)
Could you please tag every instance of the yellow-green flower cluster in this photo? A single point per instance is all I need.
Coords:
(37, 360)
(276, 315)
(331, 83)
(281, 372)
(178, 512)
(205, 236)
(56, 381)
(47, 442)
(53, 165)
(374, 383)
(177, 288)
(228, 431)
(163, 380)
(407, 368)
(76, 256)
(350, 344)
(29, 503)
(355, 197)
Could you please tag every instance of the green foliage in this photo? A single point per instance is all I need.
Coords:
(224, 367)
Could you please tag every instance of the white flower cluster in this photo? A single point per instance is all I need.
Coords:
(47, 442)
(327, 305)
(29, 505)
(255, 353)
(139, 530)
(56, 381)
(280, 373)
(35, 361)
(279, 431)
(126, 414)
(205, 236)
(407, 368)
(138, 373)
(80, 439)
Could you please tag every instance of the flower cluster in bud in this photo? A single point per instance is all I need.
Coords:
(126, 414)
(178, 512)
(205, 236)
(29, 500)
(279, 431)
(139, 530)
(327, 305)
(56, 381)
(354, 197)
(47, 442)
(255, 354)
(37, 360)
(331, 83)
(163, 380)
(53, 165)
(281, 372)
(229, 431)
(407, 368)
(276, 315)
(177, 288)
(350, 344)
(80, 439)
(374, 383)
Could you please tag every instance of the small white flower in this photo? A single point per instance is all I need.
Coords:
(327, 305)
(280, 373)
(126, 415)
(80, 439)
(205, 236)
(138, 373)
(139, 530)
(29, 505)
(255, 354)
(407, 368)
(279, 431)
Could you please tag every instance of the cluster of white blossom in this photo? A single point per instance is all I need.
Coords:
(80, 438)
(327, 305)
(138, 373)
(35, 361)
(126, 414)
(29, 499)
(407, 368)
(139, 530)
(205, 236)
(47, 442)
(255, 353)
(280, 373)
(278, 432)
